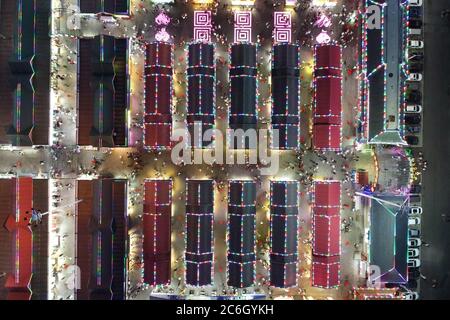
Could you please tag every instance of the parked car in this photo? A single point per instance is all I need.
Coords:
(417, 3)
(413, 263)
(414, 32)
(415, 189)
(414, 233)
(413, 108)
(415, 12)
(413, 129)
(411, 295)
(414, 242)
(414, 23)
(413, 253)
(414, 221)
(413, 118)
(415, 210)
(414, 96)
(412, 140)
(415, 44)
(414, 76)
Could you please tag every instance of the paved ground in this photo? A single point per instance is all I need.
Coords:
(436, 258)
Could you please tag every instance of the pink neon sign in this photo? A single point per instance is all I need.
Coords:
(242, 26)
(202, 26)
(283, 26)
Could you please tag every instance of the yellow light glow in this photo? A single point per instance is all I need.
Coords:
(242, 2)
(202, 1)
(309, 67)
(324, 3)
(291, 3)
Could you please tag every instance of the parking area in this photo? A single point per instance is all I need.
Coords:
(414, 59)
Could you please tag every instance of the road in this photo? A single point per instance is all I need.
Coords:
(436, 141)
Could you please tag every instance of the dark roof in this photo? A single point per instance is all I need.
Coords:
(286, 97)
(241, 229)
(243, 114)
(389, 238)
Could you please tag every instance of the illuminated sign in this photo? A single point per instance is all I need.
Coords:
(202, 26)
(323, 21)
(282, 23)
(323, 37)
(324, 3)
(291, 3)
(162, 19)
(242, 2)
(242, 26)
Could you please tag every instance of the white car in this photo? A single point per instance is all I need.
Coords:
(415, 44)
(415, 31)
(413, 263)
(414, 221)
(415, 3)
(414, 76)
(414, 242)
(414, 233)
(413, 253)
(415, 210)
(411, 295)
(413, 108)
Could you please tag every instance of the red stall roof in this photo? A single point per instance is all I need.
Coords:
(158, 54)
(18, 281)
(328, 56)
(157, 135)
(325, 271)
(326, 235)
(328, 97)
(158, 95)
(327, 194)
(327, 137)
(328, 105)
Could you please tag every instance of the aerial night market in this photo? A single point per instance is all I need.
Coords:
(229, 150)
